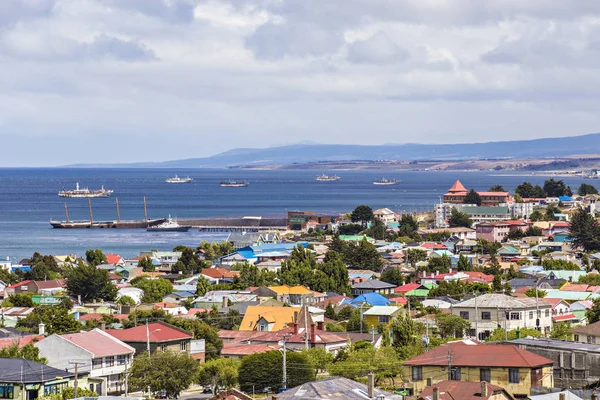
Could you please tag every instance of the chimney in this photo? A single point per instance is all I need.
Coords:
(436, 393)
(313, 333)
(437, 272)
(450, 270)
(225, 301)
(432, 274)
(371, 385)
(103, 326)
(484, 390)
(561, 396)
(321, 325)
(295, 328)
(424, 274)
(428, 381)
(41, 329)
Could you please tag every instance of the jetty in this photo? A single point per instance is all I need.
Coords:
(243, 224)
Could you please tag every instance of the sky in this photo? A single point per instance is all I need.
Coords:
(86, 81)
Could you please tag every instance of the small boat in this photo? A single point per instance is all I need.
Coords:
(234, 183)
(170, 225)
(176, 179)
(384, 181)
(84, 192)
(327, 178)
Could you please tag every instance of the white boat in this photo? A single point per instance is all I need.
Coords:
(84, 192)
(176, 179)
(384, 181)
(234, 184)
(327, 178)
(170, 225)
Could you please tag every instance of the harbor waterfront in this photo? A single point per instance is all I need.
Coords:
(28, 201)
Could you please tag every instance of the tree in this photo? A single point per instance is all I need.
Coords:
(201, 330)
(349, 229)
(408, 225)
(359, 361)
(332, 274)
(154, 289)
(527, 190)
(393, 276)
(593, 314)
(439, 264)
(497, 188)
(28, 352)
(413, 256)
(472, 198)
(264, 370)
(214, 251)
(590, 279)
(497, 284)
(331, 327)
(405, 332)
(498, 334)
(319, 357)
(362, 214)
(586, 189)
(126, 301)
(203, 286)
(364, 255)
(90, 283)
(330, 312)
(146, 265)
(451, 325)
(553, 265)
(69, 393)
(41, 272)
(221, 372)
(463, 263)
(19, 300)
(585, 231)
(459, 219)
(56, 319)
(167, 371)
(555, 188)
(531, 293)
(95, 257)
(561, 330)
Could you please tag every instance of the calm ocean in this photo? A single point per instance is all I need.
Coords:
(28, 200)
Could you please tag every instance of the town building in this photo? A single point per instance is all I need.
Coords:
(380, 316)
(248, 239)
(373, 286)
(587, 334)
(454, 390)
(498, 231)
(336, 389)
(457, 193)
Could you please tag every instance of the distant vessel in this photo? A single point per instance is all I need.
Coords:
(169, 225)
(234, 183)
(84, 192)
(327, 178)
(176, 179)
(594, 174)
(384, 181)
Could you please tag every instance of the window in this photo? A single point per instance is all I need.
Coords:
(547, 312)
(96, 363)
(384, 319)
(464, 315)
(485, 375)
(530, 314)
(486, 315)
(513, 375)
(417, 373)
(515, 315)
(455, 374)
(122, 359)
(7, 391)
(109, 361)
(183, 346)
(591, 339)
(163, 347)
(576, 338)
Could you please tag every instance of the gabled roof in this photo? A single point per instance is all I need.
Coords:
(373, 284)
(476, 355)
(159, 332)
(280, 316)
(374, 299)
(457, 188)
(334, 389)
(589, 330)
(462, 390)
(219, 273)
(382, 310)
(18, 370)
(113, 258)
(15, 285)
(99, 343)
(51, 284)
(494, 300)
(407, 287)
(285, 289)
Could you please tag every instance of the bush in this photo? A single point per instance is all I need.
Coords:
(265, 370)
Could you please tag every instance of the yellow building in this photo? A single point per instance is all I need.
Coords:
(264, 318)
(507, 366)
(380, 316)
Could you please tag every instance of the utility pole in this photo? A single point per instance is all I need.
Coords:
(449, 364)
(75, 384)
(306, 332)
(148, 343)
(284, 380)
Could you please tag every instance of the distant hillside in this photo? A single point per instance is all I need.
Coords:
(306, 153)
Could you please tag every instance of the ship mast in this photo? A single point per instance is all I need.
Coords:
(66, 212)
(118, 212)
(90, 207)
(145, 210)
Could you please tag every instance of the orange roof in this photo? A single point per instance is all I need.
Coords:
(280, 317)
(457, 188)
(113, 258)
(219, 273)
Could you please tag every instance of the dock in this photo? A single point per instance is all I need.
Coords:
(243, 224)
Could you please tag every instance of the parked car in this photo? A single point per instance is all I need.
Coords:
(207, 389)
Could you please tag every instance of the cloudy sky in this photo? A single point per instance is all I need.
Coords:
(133, 80)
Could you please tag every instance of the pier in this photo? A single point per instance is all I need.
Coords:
(244, 224)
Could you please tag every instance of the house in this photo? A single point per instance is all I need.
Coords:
(562, 395)
(378, 316)
(454, 390)
(489, 311)
(221, 275)
(373, 286)
(178, 297)
(240, 350)
(135, 293)
(260, 318)
(25, 379)
(114, 259)
(159, 336)
(222, 298)
(371, 299)
(292, 295)
(457, 193)
(385, 215)
(506, 366)
(460, 233)
(166, 258)
(247, 239)
(497, 231)
(587, 334)
(103, 357)
(336, 389)
(48, 287)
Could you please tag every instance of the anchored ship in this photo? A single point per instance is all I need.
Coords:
(327, 178)
(176, 179)
(234, 183)
(169, 225)
(84, 192)
(384, 181)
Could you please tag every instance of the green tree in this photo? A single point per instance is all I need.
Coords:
(377, 229)
(154, 289)
(553, 265)
(220, 372)
(527, 190)
(262, 370)
(167, 371)
(332, 274)
(451, 325)
(593, 314)
(203, 286)
(358, 362)
(408, 225)
(497, 188)
(146, 265)
(531, 293)
(331, 327)
(362, 214)
(41, 272)
(69, 393)
(585, 231)
(463, 263)
(201, 330)
(214, 251)
(405, 332)
(364, 255)
(472, 198)
(441, 264)
(56, 319)
(19, 300)
(90, 283)
(498, 334)
(393, 276)
(319, 357)
(330, 312)
(126, 301)
(586, 189)
(590, 279)
(349, 229)
(561, 330)
(28, 352)
(413, 256)
(536, 215)
(459, 219)
(497, 284)
(95, 257)
(555, 188)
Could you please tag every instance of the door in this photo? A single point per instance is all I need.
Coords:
(32, 394)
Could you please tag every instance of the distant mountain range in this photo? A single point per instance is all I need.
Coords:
(308, 153)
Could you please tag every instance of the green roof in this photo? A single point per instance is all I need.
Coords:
(418, 293)
(566, 275)
(356, 237)
(485, 210)
(508, 250)
(567, 295)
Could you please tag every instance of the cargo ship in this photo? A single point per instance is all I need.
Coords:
(234, 184)
(327, 178)
(84, 192)
(118, 224)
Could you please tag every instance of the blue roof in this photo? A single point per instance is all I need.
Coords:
(565, 198)
(253, 251)
(184, 294)
(23, 268)
(374, 299)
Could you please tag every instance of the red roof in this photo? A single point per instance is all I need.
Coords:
(453, 390)
(564, 317)
(457, 188)
(476, 355)
(561, 223)
(99, 343)
(219, 273)
(15, 285)
(51, 284)
(407, 287)
(502, 194)
(20, 341)
(159, 332)
(552, 301)
(241, 349)
(574, 287)
(113, 258)
(399, 300)
(438, 246)
(98, 317)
